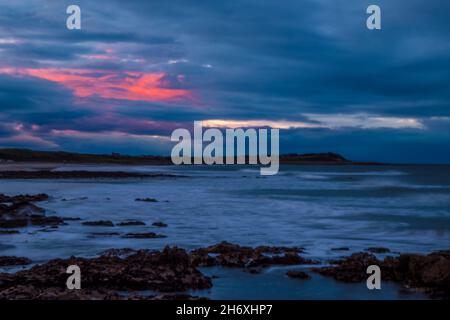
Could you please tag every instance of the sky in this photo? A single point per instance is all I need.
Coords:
(137, 70)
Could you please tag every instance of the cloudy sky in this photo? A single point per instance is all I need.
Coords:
(139, 69)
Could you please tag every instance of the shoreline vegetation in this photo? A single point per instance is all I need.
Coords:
(30, 156)
(170, 272)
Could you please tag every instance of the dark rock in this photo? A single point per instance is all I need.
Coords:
(233, 255)
(31, 292)
(159, 224)
(298, 275)
(350, 269)
(145, 235)
(105, 234)
(71, 219)
(171, 297)
(119, 253)
(202, 259)
(278, 250)
(131, 223)
(43, 230)
(13, 223)
(24, 198)
(257, 270)
(146, 200)
(378, 250)
(46, 221)
(170, 270)
(286, 259)
(18, 211)
(224, 247)
(75, 199)
(14, 261)
(7, 232)
(100, 223)
(340, 249)
(430, 273)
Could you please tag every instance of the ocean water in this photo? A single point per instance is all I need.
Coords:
(404, 208)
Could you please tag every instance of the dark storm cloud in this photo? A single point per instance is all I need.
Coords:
(242, 60)
(315, 52)
(28, 95)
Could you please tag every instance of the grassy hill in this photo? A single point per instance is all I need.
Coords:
(26, 155)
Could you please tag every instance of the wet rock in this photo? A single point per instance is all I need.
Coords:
(71, 219)
(146, 199)
(56, 293)
(202, 259)
(225, 247)
(170, 270)
(14, 261)
(27, 209)
(177, 297)
(131, 223)
(13, 223)
(286, 259)
(24, 198)
(105, 234)
(119, 253)
(18, 212)
(99, 223)
(278, 250)
(378, 250)
(233, 255)
(430, 273)
(144, 235)
(75, 199)
(7, 232)
(256, 270)
(46, 221)
(44, 230)
(30, 292)
(298, 275)
(159, 224)
(350, 269)
(340, 249)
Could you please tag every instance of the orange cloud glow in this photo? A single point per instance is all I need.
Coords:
(124, 85)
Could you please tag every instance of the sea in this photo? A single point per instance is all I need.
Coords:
(405, 208)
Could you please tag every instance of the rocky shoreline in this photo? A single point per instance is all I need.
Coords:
(20, 211)
(80, 174)
(169, 273)
(428, 273)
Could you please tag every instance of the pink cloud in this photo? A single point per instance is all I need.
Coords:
(123, 85)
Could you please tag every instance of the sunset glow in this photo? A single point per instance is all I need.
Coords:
(128, 85)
